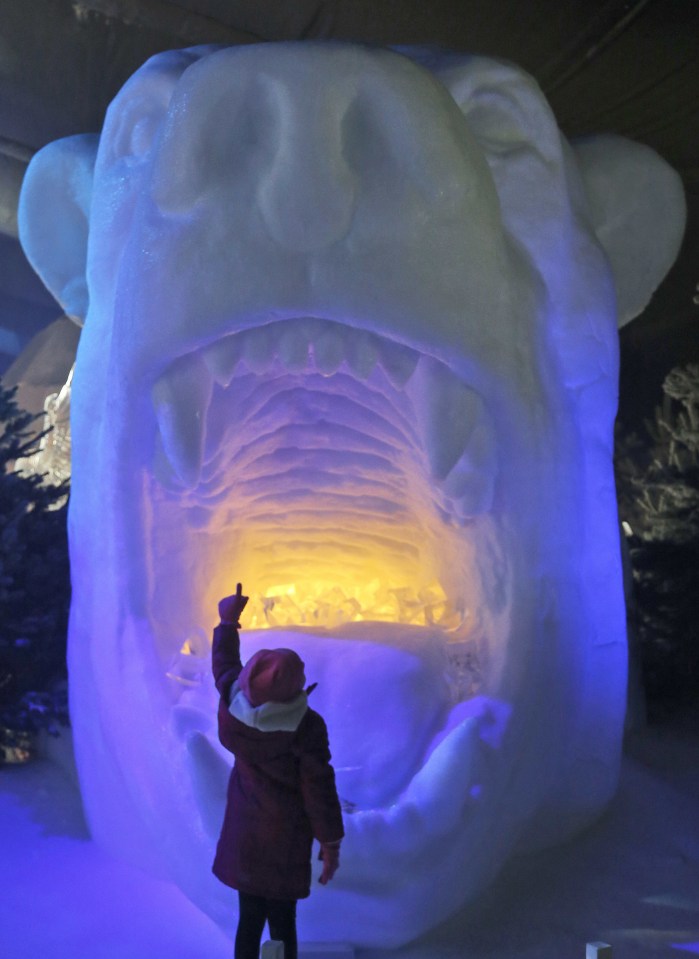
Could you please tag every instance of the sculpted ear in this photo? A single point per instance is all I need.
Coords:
(638, 213)
(54, 218)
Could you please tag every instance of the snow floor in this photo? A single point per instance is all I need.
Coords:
(631, 880)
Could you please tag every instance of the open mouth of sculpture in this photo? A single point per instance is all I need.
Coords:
(348, 481)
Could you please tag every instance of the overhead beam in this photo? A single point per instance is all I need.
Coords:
(14, 158)
(16, 151)
(165, 17)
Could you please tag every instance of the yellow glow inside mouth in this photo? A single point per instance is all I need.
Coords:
(331, 568)
(361, 568)
(324, 603)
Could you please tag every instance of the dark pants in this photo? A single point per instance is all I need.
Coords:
(280, 914)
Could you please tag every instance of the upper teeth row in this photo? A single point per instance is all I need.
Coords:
(304, 344)
(456, 431)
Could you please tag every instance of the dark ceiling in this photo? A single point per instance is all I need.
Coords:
(624, 66)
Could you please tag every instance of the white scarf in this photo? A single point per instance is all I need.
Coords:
(269, 717)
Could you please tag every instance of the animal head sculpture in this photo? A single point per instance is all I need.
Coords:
(351, 339)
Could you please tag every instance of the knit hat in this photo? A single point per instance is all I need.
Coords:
(272, 675)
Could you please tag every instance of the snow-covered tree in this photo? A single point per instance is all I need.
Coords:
(658, 484)
(34, 580)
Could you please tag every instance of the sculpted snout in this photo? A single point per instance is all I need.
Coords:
(299, 151)
(307, 193)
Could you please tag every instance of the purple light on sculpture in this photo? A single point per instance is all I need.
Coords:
(351, 339)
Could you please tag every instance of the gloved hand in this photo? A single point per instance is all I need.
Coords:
(230, 607)
(330, 855)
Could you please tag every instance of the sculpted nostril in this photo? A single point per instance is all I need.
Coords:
(306, 143)
(214, 137)
(308, 196)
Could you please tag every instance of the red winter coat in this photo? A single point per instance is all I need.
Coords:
(281, 793)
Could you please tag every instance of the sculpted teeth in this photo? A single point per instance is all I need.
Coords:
(221, 359)
(181, 399)
(329, 350)
(362, 354)
(292, 347)
(304, 344)
(458, 437)
(258, 349)
(455, 429)
(399, 363)
(471, 483)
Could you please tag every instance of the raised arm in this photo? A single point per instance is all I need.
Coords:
(225, 651)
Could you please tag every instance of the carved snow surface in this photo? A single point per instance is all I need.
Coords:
(351, 340)
(407, 686)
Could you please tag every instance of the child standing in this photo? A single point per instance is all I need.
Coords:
(281, 792)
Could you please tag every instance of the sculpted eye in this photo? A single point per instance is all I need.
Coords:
(138, 111)
(505, 109)
(498, 121)
(142, 135)
(133, 130)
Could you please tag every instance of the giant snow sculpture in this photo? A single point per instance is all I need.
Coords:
(351, 339)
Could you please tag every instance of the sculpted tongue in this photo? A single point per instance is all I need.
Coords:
(371, 678)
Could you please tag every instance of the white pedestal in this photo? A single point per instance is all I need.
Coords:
(598, 950)
(272, 949)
